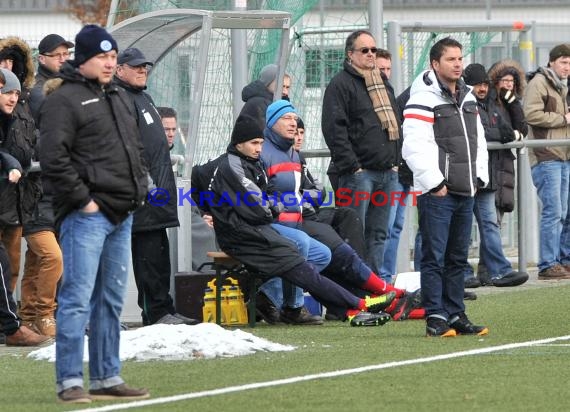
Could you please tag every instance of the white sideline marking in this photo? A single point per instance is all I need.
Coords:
(278, 382)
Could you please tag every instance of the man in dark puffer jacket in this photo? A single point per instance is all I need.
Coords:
(92, 161)
(150, 248)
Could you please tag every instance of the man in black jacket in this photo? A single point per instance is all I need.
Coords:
(499, 270)
(150, 248)
(53, 51)
(92, 161)
(19, 141)
(361, 131)
(15, 332)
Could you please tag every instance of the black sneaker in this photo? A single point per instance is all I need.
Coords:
(185, 319)
(169, 319)
(513, 278)
(266, 309)
(299, 316)
(405, 304)
(369, 319)
(436, 326)
(469, 295)
(484, 279)
(463, 326)
(472, 282)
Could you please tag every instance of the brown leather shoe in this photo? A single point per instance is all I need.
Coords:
(555, 272)
(75, 394)
(121, 391)
(27, 337)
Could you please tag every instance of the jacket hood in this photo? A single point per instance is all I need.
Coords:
(512, 67)
(256, 89)
(21, 53)
(427, 81)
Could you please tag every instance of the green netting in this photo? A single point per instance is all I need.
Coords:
(172, 79)
(315, 56)
(416, 47)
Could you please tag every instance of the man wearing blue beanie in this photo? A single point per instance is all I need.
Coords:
(91, 158)
(285, 174)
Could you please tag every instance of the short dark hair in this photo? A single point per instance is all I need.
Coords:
(385, 54)
(349, 45)
(439, 47)
(2, 78)
(166, 112)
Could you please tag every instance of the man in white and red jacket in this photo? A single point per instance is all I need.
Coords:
(444, 146)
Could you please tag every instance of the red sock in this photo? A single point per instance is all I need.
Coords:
(352, 312)
(377, 285)
(362, 304)
(419, 313)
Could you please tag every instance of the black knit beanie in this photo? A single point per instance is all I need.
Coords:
(91, 41)
(474, 74)
(246, 128)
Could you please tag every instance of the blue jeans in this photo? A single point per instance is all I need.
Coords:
(96, 256)
(374, 212)
(445, 224)
(395, 226)
(551, 179)
(284, 293)
(491, 248)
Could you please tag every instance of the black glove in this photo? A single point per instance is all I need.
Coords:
(507, 132)
(276, 208)
(507, 96)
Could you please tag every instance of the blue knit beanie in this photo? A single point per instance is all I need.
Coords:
(276, 110)
(91, 41)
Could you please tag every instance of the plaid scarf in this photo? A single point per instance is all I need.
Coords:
(381, 102)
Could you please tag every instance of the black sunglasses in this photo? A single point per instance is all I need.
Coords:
(365, 50)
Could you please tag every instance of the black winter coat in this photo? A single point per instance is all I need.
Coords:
(243, 231)
(351, 128)
(18, 138)
(90, 147)
(501, 162)
(157, 156)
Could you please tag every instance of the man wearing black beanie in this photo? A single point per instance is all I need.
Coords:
(92, 162)
(494, 268)
(244, 217)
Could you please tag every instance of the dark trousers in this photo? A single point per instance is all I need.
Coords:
(151, 264)
(445, 224)
(9, 320)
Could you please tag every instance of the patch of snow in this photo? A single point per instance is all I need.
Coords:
(180, 342)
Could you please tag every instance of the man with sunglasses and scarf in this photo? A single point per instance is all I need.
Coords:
(361, 130)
